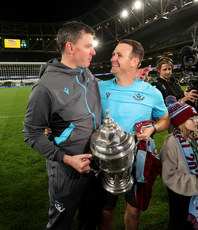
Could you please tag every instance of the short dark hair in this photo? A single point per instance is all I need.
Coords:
(137, 49)
(72, 32)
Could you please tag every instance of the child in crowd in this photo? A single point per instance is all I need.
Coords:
(179, 157)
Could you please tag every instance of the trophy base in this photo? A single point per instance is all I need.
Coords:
(117, 187)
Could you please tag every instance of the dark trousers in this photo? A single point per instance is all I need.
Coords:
(70, 191)
(178, 211)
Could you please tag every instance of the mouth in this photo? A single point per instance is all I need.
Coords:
(115, 66)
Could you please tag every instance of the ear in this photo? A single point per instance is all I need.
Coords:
(135, 62)
(69, 47)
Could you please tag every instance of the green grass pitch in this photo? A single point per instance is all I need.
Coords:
(23, 179)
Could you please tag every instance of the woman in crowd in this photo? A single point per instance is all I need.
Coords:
(179, 157)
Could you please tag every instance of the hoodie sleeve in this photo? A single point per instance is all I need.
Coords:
(37, 118)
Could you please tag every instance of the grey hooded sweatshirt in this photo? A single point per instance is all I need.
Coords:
(67, 101)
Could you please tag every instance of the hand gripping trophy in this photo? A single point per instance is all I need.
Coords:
(112, 149)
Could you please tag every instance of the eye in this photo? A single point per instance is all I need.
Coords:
(89, 46)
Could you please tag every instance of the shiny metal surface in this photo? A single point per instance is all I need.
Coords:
(112, 149)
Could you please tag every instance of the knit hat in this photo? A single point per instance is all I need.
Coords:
(179, 111)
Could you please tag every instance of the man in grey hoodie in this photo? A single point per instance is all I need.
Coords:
(67, 100)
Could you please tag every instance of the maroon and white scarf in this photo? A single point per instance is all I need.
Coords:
(147, 167)
(192, 166)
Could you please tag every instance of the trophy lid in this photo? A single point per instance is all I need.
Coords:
(110, 139)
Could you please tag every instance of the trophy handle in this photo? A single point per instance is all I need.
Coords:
(136, 144)
(97, 172)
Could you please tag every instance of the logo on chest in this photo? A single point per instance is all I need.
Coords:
(87, 80)
(108, 94)
(138, 97)
(66, 90)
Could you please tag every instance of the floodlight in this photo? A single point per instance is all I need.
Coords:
(124, 14)
(95, 43)
(137, 5)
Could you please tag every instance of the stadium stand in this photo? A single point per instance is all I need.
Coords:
(163, 28)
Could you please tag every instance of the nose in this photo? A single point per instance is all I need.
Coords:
(93, 52)
(113, 58)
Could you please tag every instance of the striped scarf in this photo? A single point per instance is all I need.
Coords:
(147, 168)
(192, 166)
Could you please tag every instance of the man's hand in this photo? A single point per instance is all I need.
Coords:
(161, 125)
(145, 133)
(190, 96)
(79, 162)
(143, 72)
(48, 131)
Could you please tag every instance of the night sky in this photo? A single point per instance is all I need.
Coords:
(42, 11)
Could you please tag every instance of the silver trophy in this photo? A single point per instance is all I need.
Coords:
(112, 149)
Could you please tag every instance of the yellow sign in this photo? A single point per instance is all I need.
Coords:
(12, 43)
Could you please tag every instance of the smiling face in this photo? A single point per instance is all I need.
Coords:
(121, 60)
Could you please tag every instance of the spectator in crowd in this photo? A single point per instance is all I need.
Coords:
(129, 101)
(168, 85)
(179, 157)
(149, 79)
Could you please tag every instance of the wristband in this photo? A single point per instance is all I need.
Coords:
(155, 130)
